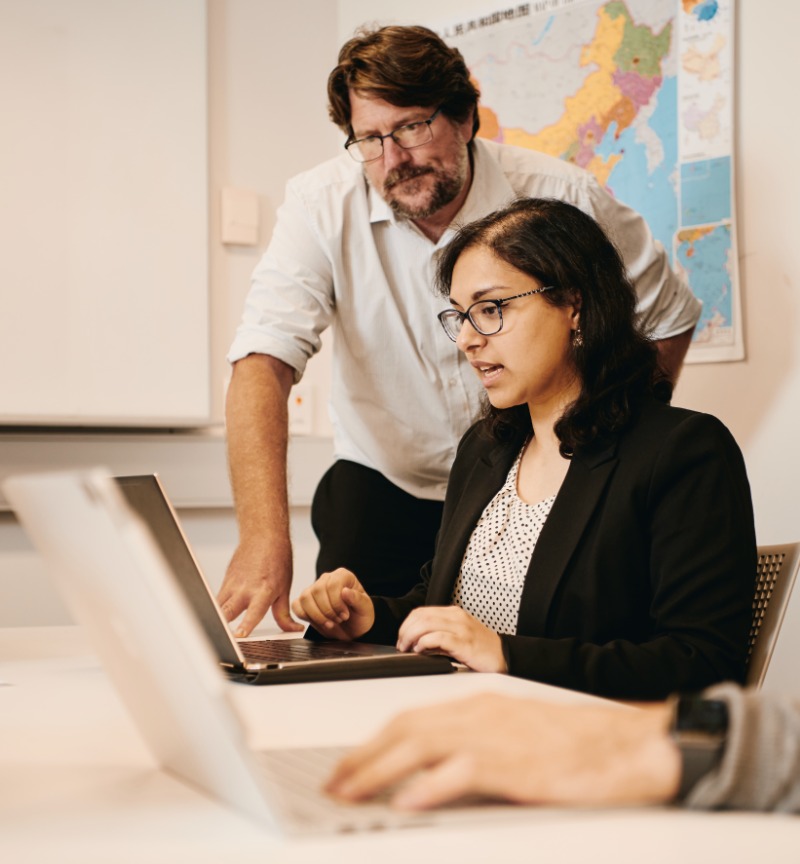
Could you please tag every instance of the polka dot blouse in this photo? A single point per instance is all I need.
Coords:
(492, 575)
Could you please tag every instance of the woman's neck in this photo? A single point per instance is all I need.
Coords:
(545, 415)
(543, 468)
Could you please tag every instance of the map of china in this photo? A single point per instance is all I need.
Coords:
(628, 72)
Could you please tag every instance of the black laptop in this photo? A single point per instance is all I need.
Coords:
(265, 660)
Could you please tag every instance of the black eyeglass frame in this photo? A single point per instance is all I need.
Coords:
(451, 314)
(348, 145)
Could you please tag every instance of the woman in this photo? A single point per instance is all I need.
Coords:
(593, 536)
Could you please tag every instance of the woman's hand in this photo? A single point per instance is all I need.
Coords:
(452, 631)
(337, 606)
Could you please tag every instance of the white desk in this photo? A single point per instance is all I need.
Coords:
(76, 783)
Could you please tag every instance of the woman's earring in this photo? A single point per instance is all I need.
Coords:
(577, 338)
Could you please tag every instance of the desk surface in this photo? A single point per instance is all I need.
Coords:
(77, 784)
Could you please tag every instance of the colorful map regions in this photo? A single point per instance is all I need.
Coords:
(638, 92)
(703, 10)
(706, 191)
(705, 65)
(625, 60)
(705, 256)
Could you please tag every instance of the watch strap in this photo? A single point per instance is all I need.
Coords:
(699, 729)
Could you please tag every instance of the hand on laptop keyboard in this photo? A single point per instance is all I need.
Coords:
(337, 606)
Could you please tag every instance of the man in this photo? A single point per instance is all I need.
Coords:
(727, 747)
(355, 247)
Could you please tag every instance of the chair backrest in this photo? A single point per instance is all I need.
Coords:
(776, 573)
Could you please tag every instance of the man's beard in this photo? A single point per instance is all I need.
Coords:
(447, 187)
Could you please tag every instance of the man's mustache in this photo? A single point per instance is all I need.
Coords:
(405, 172)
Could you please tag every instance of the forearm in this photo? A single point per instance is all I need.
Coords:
(672, 352)
(620, 669)
(257, 433)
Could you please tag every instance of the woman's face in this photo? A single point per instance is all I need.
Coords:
(530, 359)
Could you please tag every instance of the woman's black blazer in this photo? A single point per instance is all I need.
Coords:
(642, 580)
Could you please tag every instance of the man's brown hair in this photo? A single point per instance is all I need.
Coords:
(404, 66)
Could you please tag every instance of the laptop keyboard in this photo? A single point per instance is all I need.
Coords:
(292, 650)
(298, 775)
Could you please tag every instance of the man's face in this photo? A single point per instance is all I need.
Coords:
(419, 182)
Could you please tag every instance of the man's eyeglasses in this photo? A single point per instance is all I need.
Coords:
(486, 316)
(408, 137)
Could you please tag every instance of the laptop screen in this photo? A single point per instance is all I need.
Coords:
(146, 497)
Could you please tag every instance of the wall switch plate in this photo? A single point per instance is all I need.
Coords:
(239, 216)
(301, 409)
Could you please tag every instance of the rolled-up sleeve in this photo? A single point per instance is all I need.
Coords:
(666, 305)
(291, 298)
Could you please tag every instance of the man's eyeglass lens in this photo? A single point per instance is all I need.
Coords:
(408, 137)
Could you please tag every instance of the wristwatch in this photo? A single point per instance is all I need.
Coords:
(699, 728)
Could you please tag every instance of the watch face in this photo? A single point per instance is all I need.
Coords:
(706, 716)
(699, 729)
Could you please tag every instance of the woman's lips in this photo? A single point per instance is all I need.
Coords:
(488, 372)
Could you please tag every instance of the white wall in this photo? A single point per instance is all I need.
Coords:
(268, 66)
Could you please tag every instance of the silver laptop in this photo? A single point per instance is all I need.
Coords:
(118, 585)
(261, 661)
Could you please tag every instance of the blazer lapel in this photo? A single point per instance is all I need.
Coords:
(487, 475)
(587, 477)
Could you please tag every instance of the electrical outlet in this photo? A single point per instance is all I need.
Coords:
(301, 409)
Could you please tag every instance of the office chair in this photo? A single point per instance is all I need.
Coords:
(776, 572)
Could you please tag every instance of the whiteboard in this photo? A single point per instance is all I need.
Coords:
(104, 213)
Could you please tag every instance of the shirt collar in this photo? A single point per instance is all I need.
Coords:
(490, 190)
(379, 210)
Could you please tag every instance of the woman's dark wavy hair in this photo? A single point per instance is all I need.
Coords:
(404, 66)
(559, 245)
